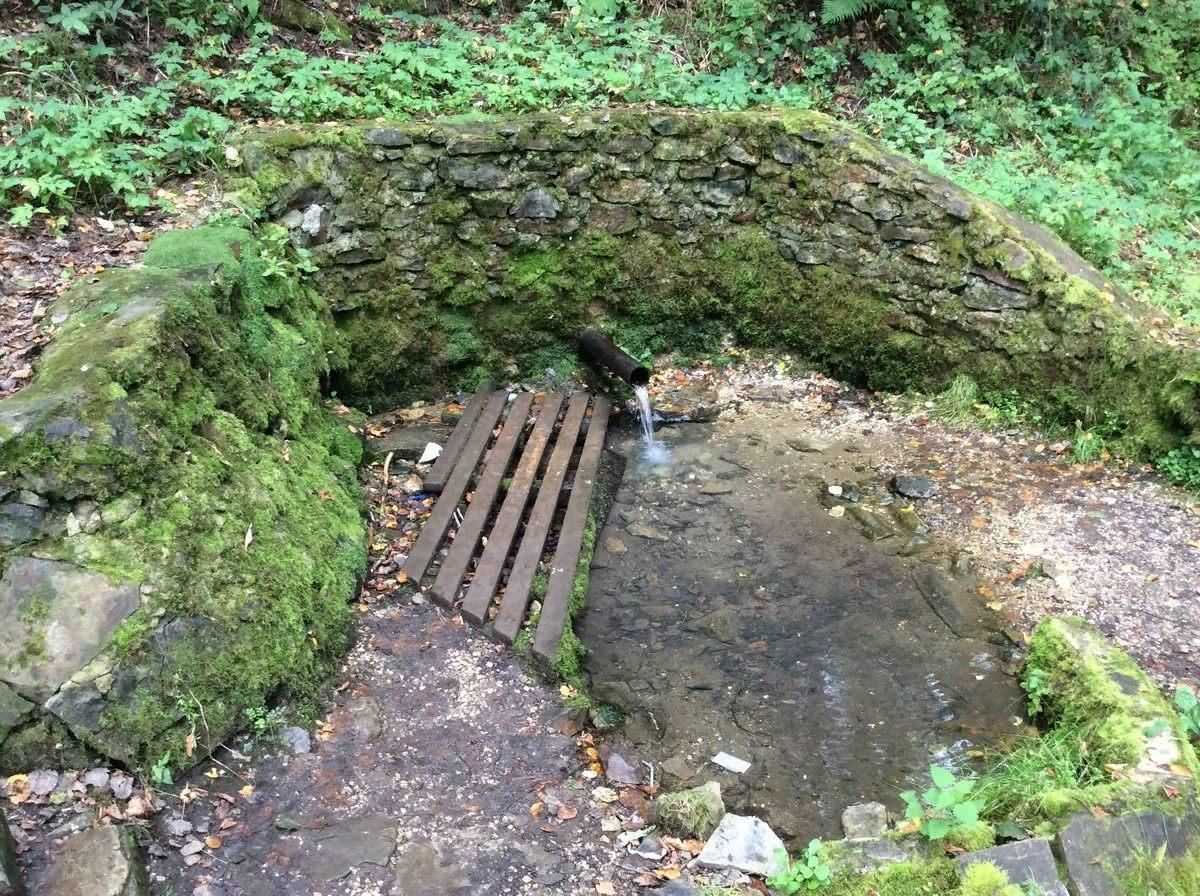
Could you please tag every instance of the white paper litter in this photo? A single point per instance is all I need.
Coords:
(431, 453)
(731, 763)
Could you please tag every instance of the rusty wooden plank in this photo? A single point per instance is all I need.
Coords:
(454, 567)
(491, 564)
(435, 479)
(570, 539)
(520, 577)
(436, 524)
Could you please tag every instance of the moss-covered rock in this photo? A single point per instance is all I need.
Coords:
(1077, 679)
(689, 813)
(175, 453)
(465, 248)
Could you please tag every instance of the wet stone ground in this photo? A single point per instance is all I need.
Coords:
(738, 603)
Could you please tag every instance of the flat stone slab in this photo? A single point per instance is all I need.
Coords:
(98, 862)
(864, 821)
(1024, 861)
(56, 617)
(1093, 849)
(335, 851)
(746, 844)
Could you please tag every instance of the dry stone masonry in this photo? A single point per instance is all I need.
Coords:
(459, 247)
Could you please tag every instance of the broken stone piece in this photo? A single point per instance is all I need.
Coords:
(746, 844)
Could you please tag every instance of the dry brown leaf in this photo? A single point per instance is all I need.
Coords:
(566, 812)
(213, 842)
(668, 872)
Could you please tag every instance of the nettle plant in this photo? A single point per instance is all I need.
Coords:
(945, 805)
(808, 872)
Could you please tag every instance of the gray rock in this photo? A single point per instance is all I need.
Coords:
(666, 126)
(1094, 849)
(177, 827)
(864, 821)
(98, 862)
(914, 486)
(746, 844)
(961, 612)
(868, 855)
(407, 442)
(14, 710)
(537, 203)
(1025, 862)
(620, 770)
(296, 739)
(641, 530)
(389, 137)
(10, 878)
(335, 851)
(680, 886)
(57, 618)
(422, 870)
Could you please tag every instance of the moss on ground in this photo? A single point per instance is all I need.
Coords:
(932, 877)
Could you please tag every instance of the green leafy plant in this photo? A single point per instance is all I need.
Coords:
(1182, 466)
(808, 872)
(160, 772)
(1033, 682)
(1188, 705)
(946, 804)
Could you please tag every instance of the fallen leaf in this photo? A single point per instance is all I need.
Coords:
(566, 812)
(669, 872)
(979, 523)
(537, 809)
(246, 791)
(213, 842)
(605, 888)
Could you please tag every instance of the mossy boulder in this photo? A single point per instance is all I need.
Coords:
(465, 248)
(190, 524)
(1077, 679)
(695, 812)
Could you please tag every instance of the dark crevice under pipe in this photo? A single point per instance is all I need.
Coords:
(598, 348)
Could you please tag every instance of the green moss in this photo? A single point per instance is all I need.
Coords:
(230, 490)
(988, 879)
(933, 877)
(1077, 680)
(571, 651)
(973, 837)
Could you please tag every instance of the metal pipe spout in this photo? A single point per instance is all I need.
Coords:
(597, 347)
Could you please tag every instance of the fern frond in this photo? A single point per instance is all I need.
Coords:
(835, 11)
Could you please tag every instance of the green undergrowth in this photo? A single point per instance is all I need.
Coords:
(1157, 875)
(1081, 117)
(236, 503)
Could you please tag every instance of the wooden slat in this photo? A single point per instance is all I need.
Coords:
(570, 540)
(435, 480)
(435, 526)
(520, 578)
(491, 564)
(454, 567)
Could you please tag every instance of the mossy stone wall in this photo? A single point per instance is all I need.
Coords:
(469, 247)
(180, 521)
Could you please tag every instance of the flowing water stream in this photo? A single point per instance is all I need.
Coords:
(729, 611)
(652, 451)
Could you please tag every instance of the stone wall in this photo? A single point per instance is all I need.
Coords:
(459, 248)
(180, 520)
